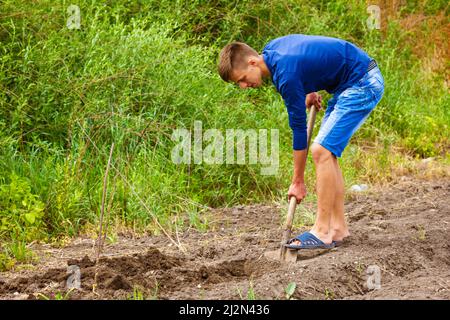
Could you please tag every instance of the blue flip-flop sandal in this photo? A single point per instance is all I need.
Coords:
(308, 241)
(337, 243)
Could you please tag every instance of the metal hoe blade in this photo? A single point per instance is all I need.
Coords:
(283, 255)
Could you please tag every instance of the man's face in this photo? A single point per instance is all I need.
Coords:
(250, 77)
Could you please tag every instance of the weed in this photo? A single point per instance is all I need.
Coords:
(137, 294)
(6, 262)
(155, 292)
(56, 296)
(360, 268)
(329, 294)
(19, 251)
(251, 295)
(421, 232)
(290, 289)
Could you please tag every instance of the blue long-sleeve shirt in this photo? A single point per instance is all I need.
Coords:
(301, 64)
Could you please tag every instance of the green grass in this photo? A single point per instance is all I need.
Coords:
(56, 296)
(251, 294)
(137, 70)
(137, 294)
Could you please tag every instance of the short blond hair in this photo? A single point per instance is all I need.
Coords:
(233, 56)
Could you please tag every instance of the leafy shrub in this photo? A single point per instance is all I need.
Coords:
(21, 212)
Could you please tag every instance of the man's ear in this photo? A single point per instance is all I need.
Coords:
(252, 61)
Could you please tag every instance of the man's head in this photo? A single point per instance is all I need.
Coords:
(241, 64)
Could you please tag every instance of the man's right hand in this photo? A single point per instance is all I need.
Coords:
(313, 99)
(297, 190)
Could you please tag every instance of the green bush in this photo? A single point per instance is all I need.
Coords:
(21, 212)
(21, 221)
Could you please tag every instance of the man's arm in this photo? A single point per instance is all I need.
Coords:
(296, 104)
(299, 166)
(294, 99)
(297, 187)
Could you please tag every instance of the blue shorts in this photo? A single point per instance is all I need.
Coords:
(348, 110)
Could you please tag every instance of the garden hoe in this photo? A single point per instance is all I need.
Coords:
(285, 254)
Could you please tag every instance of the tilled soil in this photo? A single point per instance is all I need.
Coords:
(399, 248)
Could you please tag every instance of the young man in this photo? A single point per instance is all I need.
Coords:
(299, 65)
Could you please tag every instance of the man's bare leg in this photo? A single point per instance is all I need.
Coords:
(339, 229)
(325, 187)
